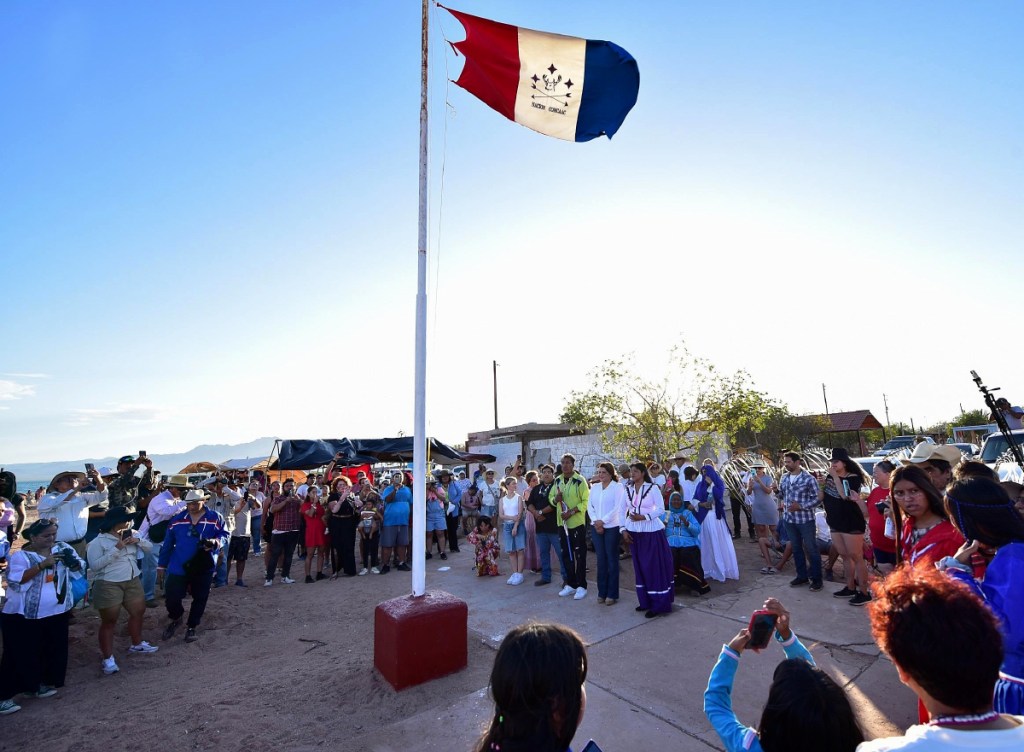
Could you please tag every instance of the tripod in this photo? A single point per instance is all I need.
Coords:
(997, 413)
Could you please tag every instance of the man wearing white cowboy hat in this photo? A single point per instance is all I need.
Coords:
(162, 508)
(187, 559)
(64, 503)
(937, 461)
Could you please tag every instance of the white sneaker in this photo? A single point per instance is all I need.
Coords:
(363, 571)
(511, 580)
(143, 647)
(581, 593)
(519, 578)
(287, 580)
(375, 570)
(110, 666)
(268, 583)
(9, 706)
(567, 590)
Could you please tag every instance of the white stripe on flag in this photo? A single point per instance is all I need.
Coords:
(548, 100)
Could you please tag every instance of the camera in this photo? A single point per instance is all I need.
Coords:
(881, 506)
(68, 558)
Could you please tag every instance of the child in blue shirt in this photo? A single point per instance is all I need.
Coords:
(792, 718)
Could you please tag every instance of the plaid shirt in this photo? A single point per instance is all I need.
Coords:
(800, 489)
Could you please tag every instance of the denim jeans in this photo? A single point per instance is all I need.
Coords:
(805, 546)
(545, 542)
(257, 534)
(606, 546)
(220, 576)
(149, 562)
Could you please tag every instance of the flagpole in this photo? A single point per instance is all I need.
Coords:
(419, 463)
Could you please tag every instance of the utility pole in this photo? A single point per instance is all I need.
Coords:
(828, 416)
(494, 368)
(885, 401)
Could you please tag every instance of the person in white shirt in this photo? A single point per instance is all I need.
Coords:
(606, 507)
(70, 507)
(954, 679)
(656, 475)
(115, 584)
(241, 535)
(159, 512)
(1012, 414)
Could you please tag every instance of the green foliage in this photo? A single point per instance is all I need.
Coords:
(686, 408)
(971, 418)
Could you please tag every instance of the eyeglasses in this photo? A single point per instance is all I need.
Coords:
(907, 492)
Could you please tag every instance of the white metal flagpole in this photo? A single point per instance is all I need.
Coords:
(419, 458)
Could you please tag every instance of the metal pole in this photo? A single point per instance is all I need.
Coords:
(419, 457)
(494, 369)
(828, 416)
(885, 401)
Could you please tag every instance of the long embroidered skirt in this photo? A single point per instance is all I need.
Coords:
(652, 565)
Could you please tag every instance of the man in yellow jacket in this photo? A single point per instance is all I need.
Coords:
(571, 495)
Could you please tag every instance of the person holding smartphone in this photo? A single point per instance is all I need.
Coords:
(114, 570)
(796, 686)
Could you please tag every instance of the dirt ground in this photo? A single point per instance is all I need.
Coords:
(288, 667)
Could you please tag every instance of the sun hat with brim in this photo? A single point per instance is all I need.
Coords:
(196, 495)
(106, 472)
(66, 474)
(178, 481)
(757, 463)
(114, 517)
(924, 452)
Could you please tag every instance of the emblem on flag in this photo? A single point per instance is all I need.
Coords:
(569, 88)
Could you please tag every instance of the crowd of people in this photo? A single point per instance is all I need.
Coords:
(113, 538)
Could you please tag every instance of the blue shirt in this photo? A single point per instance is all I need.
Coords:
(682, 528)
(718, 696)
(183, 539)
(397, 505)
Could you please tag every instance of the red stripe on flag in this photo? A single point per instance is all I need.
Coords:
(491, 72)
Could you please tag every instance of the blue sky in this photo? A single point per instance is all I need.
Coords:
(208, 216)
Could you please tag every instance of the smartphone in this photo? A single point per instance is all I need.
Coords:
(762, 624)
(142, 454)
(881, 507)
(89, 467)
(126, 534)
(846, 487)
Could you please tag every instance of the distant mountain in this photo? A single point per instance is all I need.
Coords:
(165, 463)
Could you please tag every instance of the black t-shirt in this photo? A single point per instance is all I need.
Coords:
(539, 500)
(854, 481)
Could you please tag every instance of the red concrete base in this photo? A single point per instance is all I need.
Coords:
(419, 639)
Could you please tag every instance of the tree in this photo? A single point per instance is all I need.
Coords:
(972, 418)
(692, 405)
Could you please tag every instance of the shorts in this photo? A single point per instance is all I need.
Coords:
(844, 516)
(511, 542)
(105, 594)
(823, 546)
(394, 535)
(436, 521)
(238, 548)
(884, 557)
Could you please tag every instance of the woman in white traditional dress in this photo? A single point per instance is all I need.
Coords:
(717, 555)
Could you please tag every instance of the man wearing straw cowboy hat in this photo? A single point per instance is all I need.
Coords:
(162, 508)
(187, 556)
(67, 505)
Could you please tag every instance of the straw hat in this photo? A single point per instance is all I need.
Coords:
(80, 477)
(196, 495)
(178, 481)
(924, 452)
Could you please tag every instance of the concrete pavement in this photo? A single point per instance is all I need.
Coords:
(647, 676)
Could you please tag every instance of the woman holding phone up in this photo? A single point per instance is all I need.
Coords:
(114, 571)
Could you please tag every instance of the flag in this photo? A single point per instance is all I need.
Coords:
(569, 88)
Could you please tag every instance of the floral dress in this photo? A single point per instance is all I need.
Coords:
(487, 552)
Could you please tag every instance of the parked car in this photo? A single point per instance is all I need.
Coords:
(868, 463)
(996, 446)
(971, 450)
(901, 442)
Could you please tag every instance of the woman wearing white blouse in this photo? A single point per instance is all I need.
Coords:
(652, 559)
(606, 506)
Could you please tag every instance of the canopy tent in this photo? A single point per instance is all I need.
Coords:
(306, 454)
(249, 463)
(199, 467)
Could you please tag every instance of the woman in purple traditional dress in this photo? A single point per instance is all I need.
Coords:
(645, 532)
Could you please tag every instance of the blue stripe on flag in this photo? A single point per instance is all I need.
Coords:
(610, 87)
